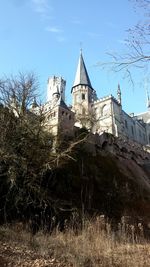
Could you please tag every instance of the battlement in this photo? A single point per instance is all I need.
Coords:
(106, 98)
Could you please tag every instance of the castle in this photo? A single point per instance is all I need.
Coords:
(97, 115)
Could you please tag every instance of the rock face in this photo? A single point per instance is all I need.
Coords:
(110, 176)
(122, 147)
(104, 175)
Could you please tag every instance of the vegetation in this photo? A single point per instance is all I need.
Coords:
(96, 245)
(28, 164)
(25, 149)
(44, 191)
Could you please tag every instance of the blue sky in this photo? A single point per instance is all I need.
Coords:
(45, 36)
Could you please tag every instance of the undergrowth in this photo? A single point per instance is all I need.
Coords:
(97, 244)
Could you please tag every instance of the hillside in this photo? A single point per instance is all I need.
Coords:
(106, 177)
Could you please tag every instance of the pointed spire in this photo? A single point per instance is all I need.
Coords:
(82, 77)
(148, 99)
(119, 94)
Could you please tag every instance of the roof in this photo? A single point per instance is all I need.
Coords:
(82, 77)
(63, 104)
(145, 116)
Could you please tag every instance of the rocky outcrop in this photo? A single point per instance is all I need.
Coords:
(119, 146)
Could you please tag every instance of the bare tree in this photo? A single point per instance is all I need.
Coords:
(17, 93)
(137, 52)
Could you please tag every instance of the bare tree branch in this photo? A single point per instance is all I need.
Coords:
(137, 45)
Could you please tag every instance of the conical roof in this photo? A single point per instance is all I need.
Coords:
(82, 77)
(63, 104)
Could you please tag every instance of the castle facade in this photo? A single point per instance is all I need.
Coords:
(97, 115)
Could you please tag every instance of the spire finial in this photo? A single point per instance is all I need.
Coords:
(148, 99)
(80, 48)
(119, 90)
(147, 93)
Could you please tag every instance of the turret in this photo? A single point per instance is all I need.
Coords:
(82, 90)
(34, 103)
(119, 94)
(56, 95)
(56, 85)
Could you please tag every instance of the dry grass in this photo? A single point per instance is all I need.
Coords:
(96, 245)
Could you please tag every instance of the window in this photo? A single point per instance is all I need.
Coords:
(83, 96)
(132, 130)
(69, 117)
(126, 124)
(62, 112)
(105, 110)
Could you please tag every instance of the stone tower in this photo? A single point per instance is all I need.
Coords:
(56, 85)
(82, 90)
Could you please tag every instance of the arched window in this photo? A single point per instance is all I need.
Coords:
(105, 110)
